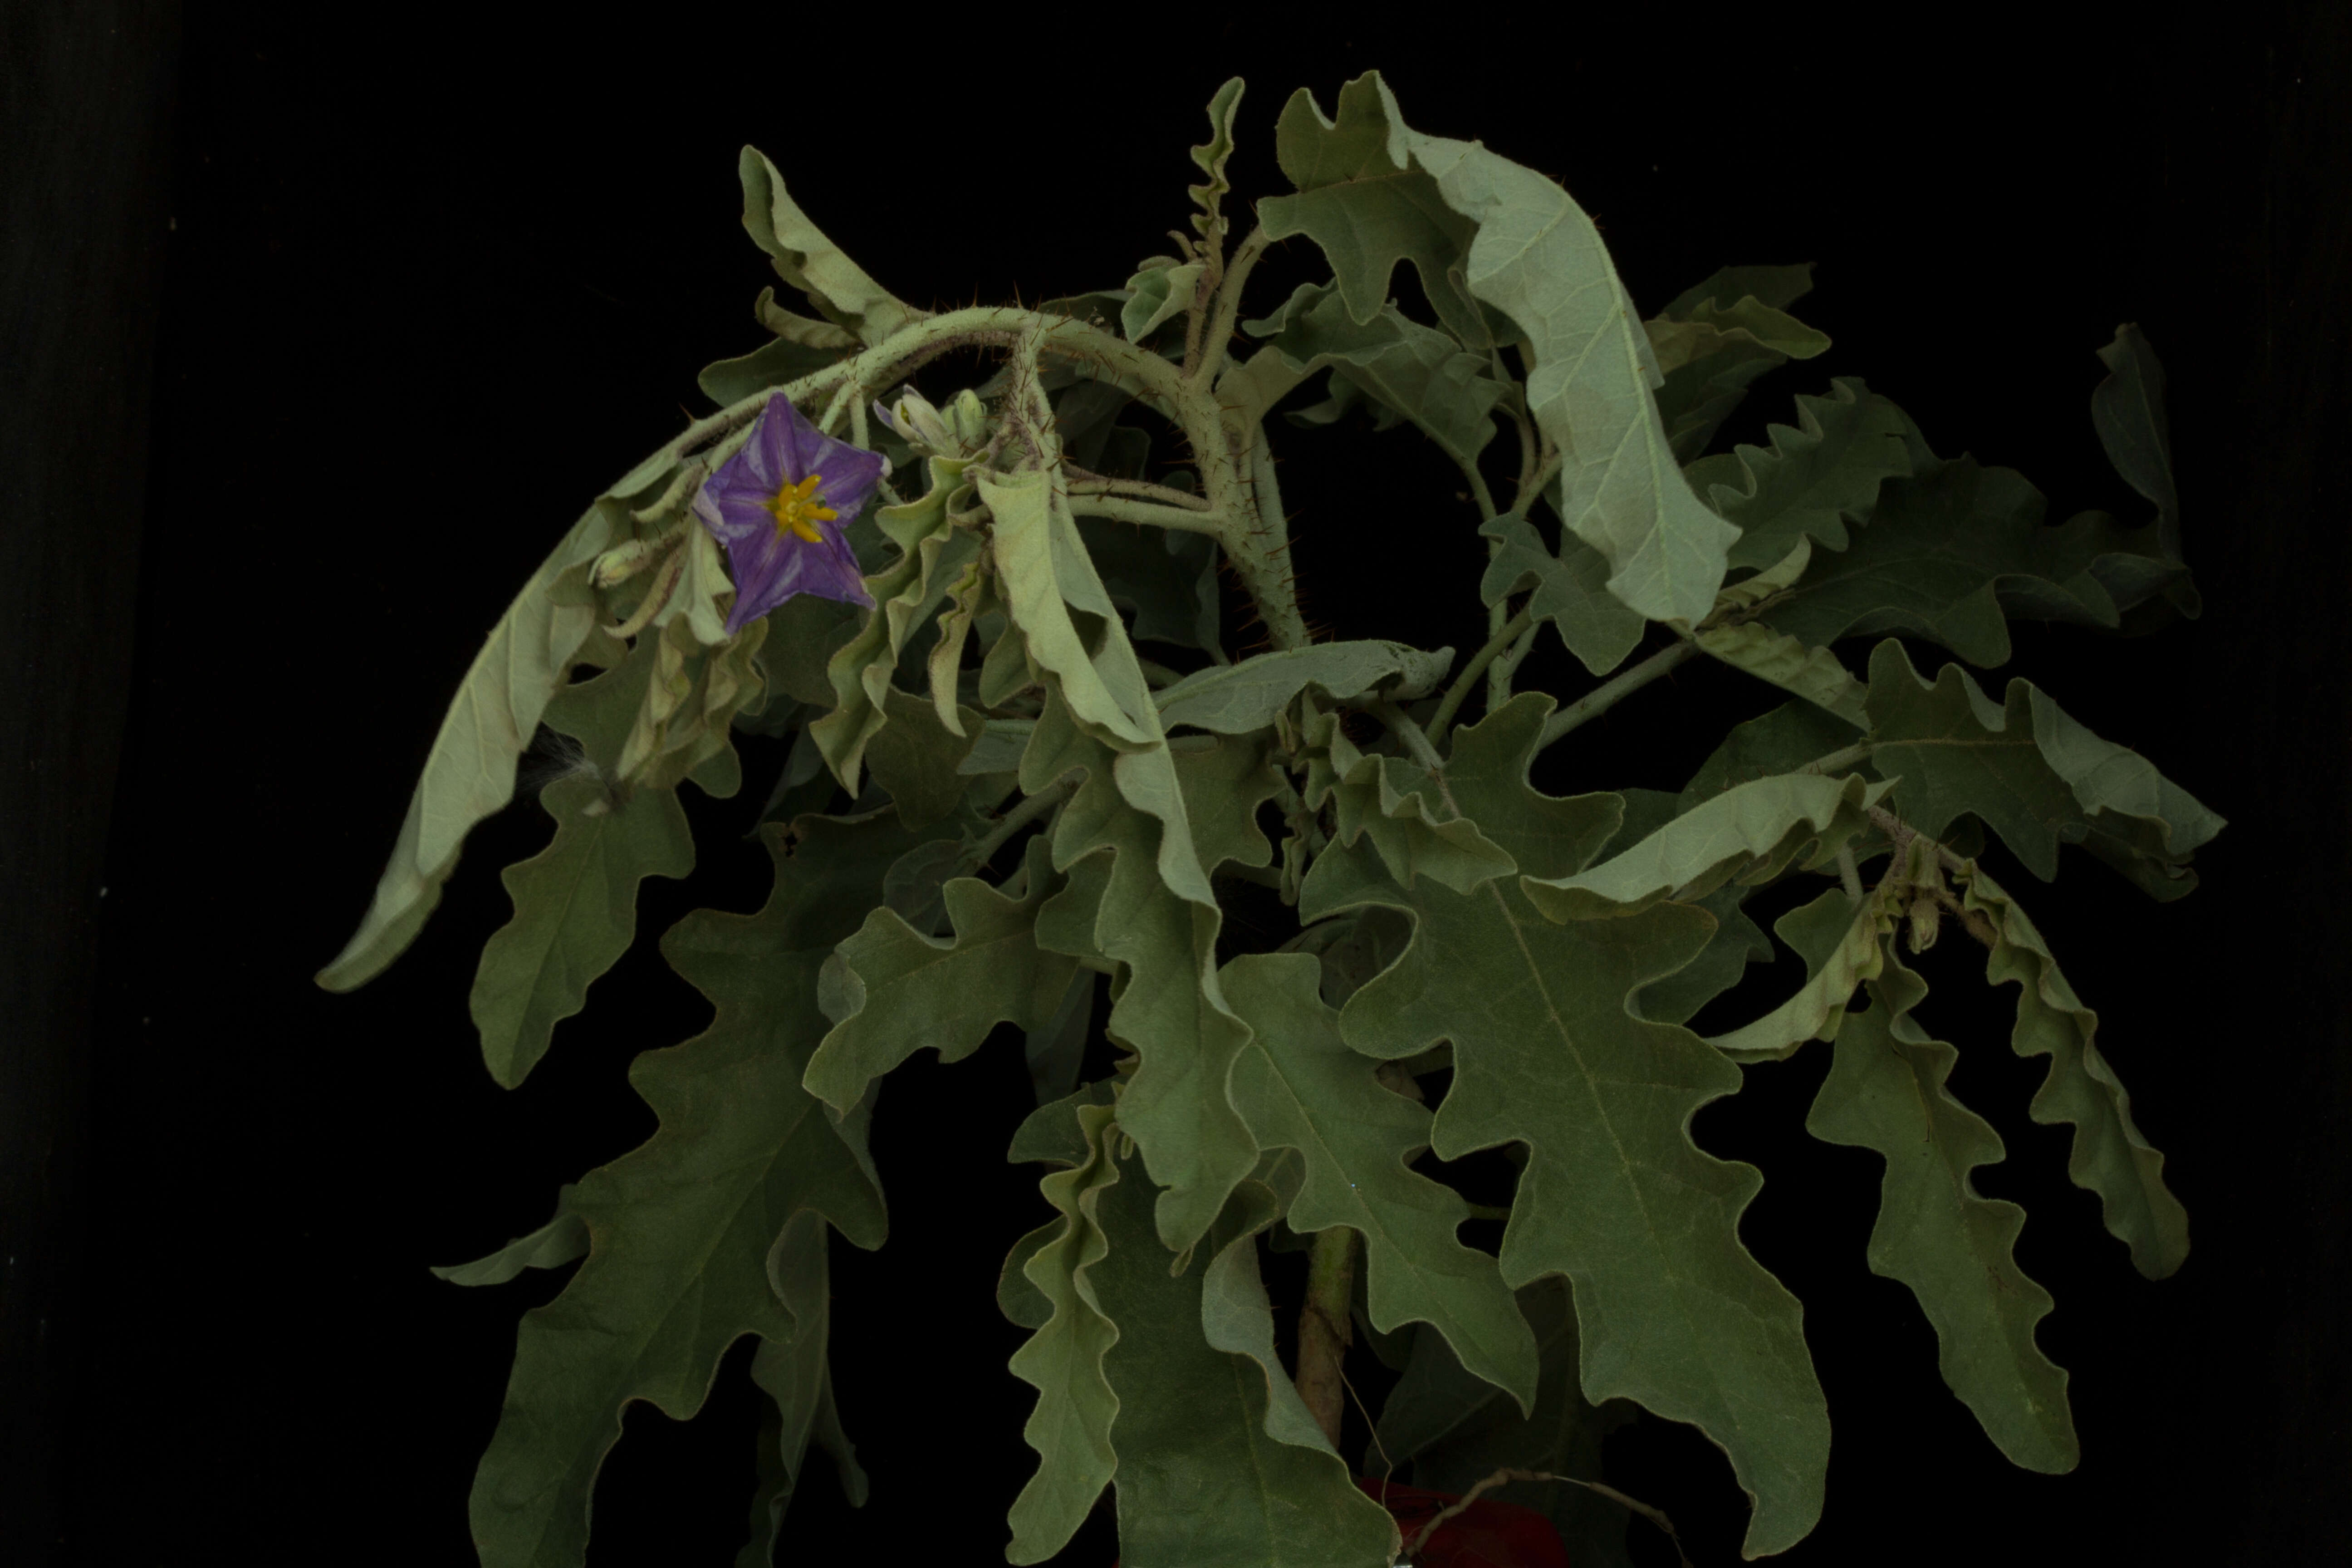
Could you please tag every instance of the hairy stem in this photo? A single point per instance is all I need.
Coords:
(1600, 702)
(1123, 508)
(1226, 310)
(1326, 1329)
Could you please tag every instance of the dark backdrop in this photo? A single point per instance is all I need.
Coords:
(425, 288)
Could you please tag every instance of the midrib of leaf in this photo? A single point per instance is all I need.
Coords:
(589, 851)
(1363, 1206)
(1559, 1028)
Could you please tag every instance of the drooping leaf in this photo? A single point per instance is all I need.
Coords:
(770, 365)
(2110, 1157)
(1793, 666)
(1537, 258)
(1224, 783)
(1751, 831)
(561, 1240)
(904, 990)
(1447, 1430)
(1063, 1360)
(1948, 555)
(1300, 1087)
(1425, 375)
(1840, 941)
(575, 913)
(470, 772)
(1615, 1194)
(1814, 479)
(1055, 1052)
(810, 262)
(1953, 1247)
(681, 1230)
(797, 1378)
(1043, 581)
(2032, 772)
(1570, 589)
(1158, 295)
(1138, 897)
(1218, 1461)
(1236, 699)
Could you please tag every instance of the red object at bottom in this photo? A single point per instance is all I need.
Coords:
(1486, 1535)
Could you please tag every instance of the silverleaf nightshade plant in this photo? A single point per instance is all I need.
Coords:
(998, 818)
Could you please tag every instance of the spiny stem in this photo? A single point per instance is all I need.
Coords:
(1121, 508)
(1226, 309)
(1600, 702)
(1084, 481)
(1455, 694)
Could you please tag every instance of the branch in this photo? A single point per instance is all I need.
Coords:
(1226, 310)
(1607, 697)
(1086, 481)
(1459, 691)
(1086, 503)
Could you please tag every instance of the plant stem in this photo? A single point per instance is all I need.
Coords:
(1227, 309)
(1459, 691)
(1123, 508)
(1600, 702)
(1416, 741)
(1839, 760)
(1326, 1328)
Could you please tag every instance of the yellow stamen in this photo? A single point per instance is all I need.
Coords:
(798, 511)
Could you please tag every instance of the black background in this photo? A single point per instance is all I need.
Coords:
(424, 287)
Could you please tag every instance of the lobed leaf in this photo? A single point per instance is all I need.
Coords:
(806, 260)
(1300, 1087)
(681, 1230)
(469, 774)
(2032, 772)
(2110, 1157)
(1815, 480)
(1570, 589)
(1953, 1247)
(575, 906)
(1615, 1194)
(1417, 372)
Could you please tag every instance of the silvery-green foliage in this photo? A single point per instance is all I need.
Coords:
(1019, 792)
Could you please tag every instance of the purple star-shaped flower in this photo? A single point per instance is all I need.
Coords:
(780, 506)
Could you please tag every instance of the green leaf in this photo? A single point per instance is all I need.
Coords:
(1955, 1248)
(1210, 158)
(1448, 1430)
(1751, 831)
(1063, 1360)
(2128, 410)
(1139, 898)
(1813, 673)
(1215, 1464)
(1699, 394)
(1043, 581)
(810, 262)
(1166, 577)
(1780, 742)
(2034, 774)
(561, 1240)
(1615, 1194)
(1361, 198)
(1419, 371)
(1235, 699)
(1814, 479)
(1710, 328)
(773, 364)
(2110, 1157)
(906, 991)
(1851, 954)
(1569, 590)
(797, 1378)
(1949, 553)
(575, 913)
(1738, 942)
(916, 758)
(1300, 1087)
(1405, 814)
(1224, 783)
(681, 1230)
(1158, 295)
(1056, 1051)
(1538, 259)
(470, 772)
